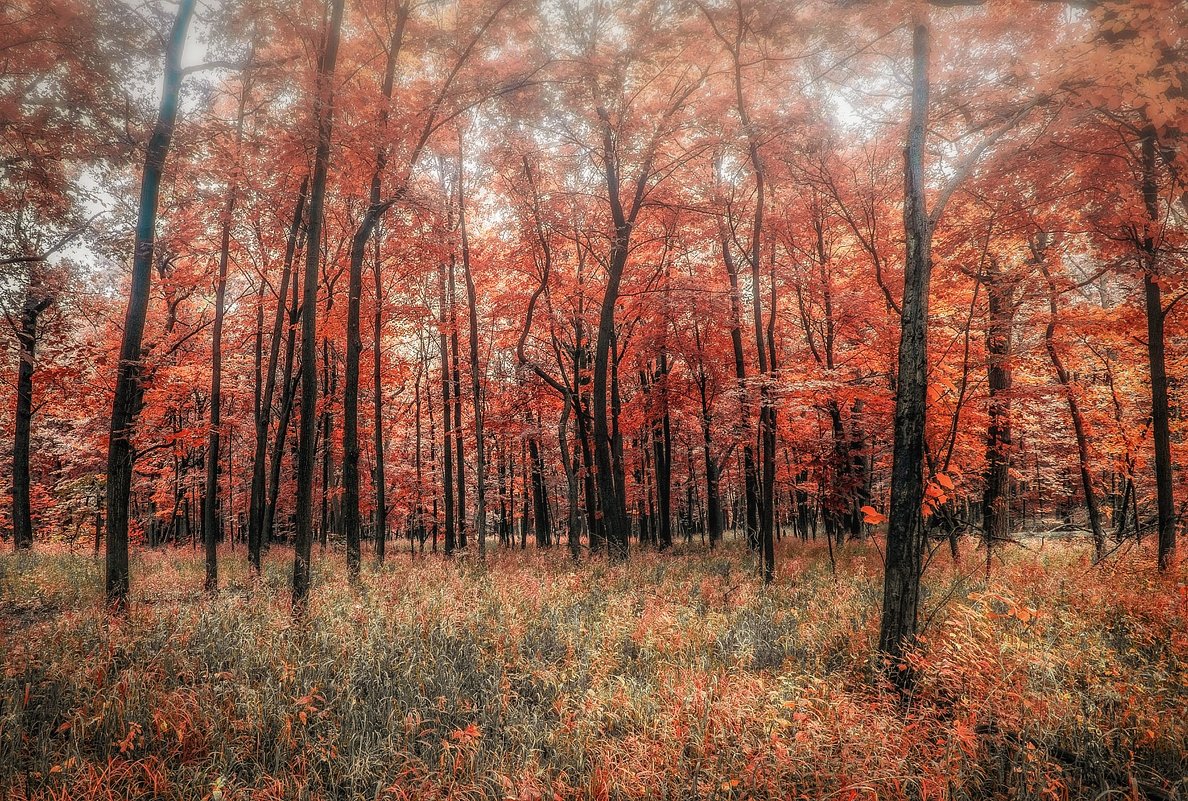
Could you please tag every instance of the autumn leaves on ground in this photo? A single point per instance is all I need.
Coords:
(678, 676)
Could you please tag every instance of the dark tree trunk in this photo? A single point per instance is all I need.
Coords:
(480, 456)
(611, 499)
(540, 498)
(22, 513)
(568, 457)
(456, 389)
(127, 388)
(1074, 410)
(750, 475)
(323, 116)
(211, 512)
(1157, 360)
(995, 496)
(288, 390)
(354, 345)
(447, 445)
(256, 512)
(905, 543)
(377, 384)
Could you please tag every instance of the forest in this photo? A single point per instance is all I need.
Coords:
(593, 399)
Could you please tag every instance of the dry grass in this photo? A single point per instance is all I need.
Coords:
(671, 677)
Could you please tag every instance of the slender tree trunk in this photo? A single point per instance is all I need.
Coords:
(211, 512)
(1156, 359)
(456, 390)
(354, 345)
(480, 457)
(447, 445)
(750, 475)
(995, 496)
(256, 512)
(127, 389)
(568, 458)
(329, 392)
(769, 429)
(419, 503)
(323, 116)
(905, 539)
(540, 498)
(288, 390)
(1074, 410)
(22, 513)
(377, 378)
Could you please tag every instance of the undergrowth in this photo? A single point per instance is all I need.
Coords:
(674, 676)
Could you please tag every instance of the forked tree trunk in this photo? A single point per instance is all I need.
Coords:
(256, 510)
(1074, 410)
(354, 345)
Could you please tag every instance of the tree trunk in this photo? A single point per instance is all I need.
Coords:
(750, 475)
(127, 390)
(480, 457)
(256, 512)
(211, 512)
(995, 496)
(447, 445)
(568, 458)
(905, 543)
(288, 390)
(540, 498)
(456, 389)
(22, 513)
(354, 345)
(323, 116)
(377, 384)
(1157, 360)
(1074, 410)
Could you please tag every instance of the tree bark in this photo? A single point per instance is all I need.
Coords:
(354, 345)
(1157, 359)
(995, 496)
(456, 390)
(1074, 410)
(323, 116)
(750, 474)
(211, 512)
(256, 511)
(905, 543)
(22, 513)
(480, 457)
(447, 445)
(127, 388)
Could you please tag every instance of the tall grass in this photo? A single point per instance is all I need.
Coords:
(670, 677)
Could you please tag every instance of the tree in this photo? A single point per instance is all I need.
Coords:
(323, 112)
(125, 406)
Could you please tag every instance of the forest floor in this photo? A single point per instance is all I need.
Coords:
(674, 676)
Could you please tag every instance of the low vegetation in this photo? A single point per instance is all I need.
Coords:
(529, 677)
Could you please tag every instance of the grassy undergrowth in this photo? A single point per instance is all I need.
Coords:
(673, 676)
